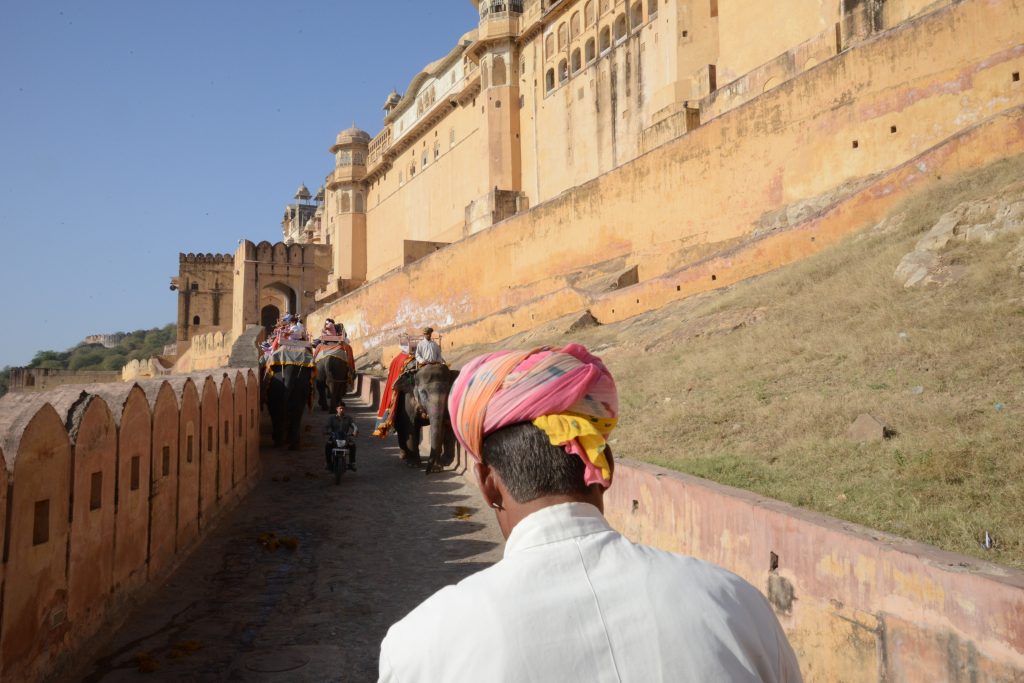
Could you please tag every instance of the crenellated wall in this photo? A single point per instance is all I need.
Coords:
(180, 452)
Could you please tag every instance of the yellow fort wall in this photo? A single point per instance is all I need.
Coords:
(711, 190)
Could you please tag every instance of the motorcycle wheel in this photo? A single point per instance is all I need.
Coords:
(338, 469)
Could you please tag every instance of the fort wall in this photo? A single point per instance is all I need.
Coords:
(857, 604)
(43, 379)
(753, 188)
(77, 552)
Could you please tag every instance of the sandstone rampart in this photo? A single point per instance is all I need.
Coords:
(180, 452)
(828, 151)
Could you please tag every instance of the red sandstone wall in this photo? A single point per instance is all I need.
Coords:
(74, 562)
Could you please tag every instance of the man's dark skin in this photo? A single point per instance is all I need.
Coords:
(341, 425)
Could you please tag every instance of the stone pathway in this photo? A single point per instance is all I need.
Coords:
(369, 550)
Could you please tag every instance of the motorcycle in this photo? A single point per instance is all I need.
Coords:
(340, 451)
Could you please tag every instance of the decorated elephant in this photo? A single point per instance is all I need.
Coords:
(333, 374)
(423, 400)
(288, 390)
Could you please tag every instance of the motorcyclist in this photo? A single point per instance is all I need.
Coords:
(341, 426)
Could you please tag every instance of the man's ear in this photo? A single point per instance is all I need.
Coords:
(486, 480)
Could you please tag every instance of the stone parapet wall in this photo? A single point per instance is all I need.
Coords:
(180, 452)
(857, 604)
(42, 379)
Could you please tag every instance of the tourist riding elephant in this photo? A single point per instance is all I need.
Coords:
(332, 378)
(288, 391)
(424, 401)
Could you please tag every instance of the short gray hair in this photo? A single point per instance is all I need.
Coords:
(530, 466)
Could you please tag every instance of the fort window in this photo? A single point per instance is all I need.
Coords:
(714, 8)
(412, 171)
(652, 8)
(855, 144)
(574, 25)
(484, 80)
(195, 320)
(588, 13)
(195, 287)
(401, 178)
(136, 464)
(41, 522)
(620, 27)
(549, 80)
(1015, 76)
(346, 203)
(590, 51)
(95, 491)
(451, 138)
(549, 45)
(424, 159)
(563, 71)
(563, 36)
(437, 150)
(892, 129)
(499, 74)
(636, 15)
(359, 202)
(606, 39)
(577, 61)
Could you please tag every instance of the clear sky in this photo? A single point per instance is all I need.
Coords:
(131, 131)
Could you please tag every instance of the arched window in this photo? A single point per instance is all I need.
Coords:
(590, 51)
(499, 75)
(412, 170)
(636, 14)
(359, 202)
(606, 39)
(563, 36)
(437, 150)
(401, 178)
(549, 80)
(549, 45)
(620, 27)
(577, 62)
(574, 25)
(195, 320)
(424, 159)
(652, 8)
(346, 203)
(451, 138)
(588, 13)
(563, 71)
(485, 82)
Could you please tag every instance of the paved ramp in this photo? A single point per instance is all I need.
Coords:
(369, 550)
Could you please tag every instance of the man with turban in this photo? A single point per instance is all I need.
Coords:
(572, 599)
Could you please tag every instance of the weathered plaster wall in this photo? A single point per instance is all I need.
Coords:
(760, 185)
(41, 379)
(857, 605)
(74, 559)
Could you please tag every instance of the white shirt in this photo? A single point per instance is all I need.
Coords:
(428, 351)
(574, 600)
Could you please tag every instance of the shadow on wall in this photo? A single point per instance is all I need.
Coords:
(77, 551)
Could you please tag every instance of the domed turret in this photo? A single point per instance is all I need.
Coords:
(351, 136)
(302, 194)
(391, 102)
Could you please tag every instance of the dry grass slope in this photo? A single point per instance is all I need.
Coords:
(755, 385)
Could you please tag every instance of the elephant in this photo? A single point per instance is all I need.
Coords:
(288, 390)
(423, 400)
(332, 378)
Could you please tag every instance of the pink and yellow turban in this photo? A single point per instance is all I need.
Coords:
(566, 392)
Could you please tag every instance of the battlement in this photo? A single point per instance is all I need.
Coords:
(205, 258)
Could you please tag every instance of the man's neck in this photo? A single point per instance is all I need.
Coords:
(515, 512)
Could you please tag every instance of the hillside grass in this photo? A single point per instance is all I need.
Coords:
(766, 406)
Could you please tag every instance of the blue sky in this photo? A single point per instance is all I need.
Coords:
(131, 131)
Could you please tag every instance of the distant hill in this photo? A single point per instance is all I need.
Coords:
(102, 355)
